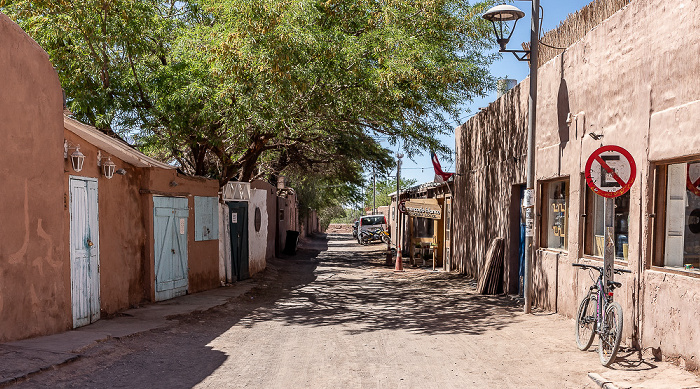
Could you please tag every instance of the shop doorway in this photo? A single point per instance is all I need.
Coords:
(516, 257)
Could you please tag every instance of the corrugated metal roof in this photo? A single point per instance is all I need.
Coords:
(112, 146)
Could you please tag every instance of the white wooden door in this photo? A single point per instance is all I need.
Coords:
(675, 215)
(170, 231)
(84, 251)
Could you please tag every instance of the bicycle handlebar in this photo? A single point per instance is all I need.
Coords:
(599, 268)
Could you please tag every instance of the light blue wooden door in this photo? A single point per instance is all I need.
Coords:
(84, 251)
(170, 231)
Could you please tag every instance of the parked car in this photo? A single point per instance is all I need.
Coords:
(354, 228)
(370, 223)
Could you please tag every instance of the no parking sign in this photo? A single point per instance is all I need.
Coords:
(610, 171)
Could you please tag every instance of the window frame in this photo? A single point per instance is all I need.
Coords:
(657, 216)
(588, 244)
(543, 211)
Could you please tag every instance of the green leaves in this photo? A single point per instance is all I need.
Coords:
(239, 89)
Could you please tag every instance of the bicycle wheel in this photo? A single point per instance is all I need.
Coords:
(612, 333)
(585, 322)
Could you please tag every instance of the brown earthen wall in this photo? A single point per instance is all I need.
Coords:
(202, 256)
(34, 272)
(635, 79)
(122, 235)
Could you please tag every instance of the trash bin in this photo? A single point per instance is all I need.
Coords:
(290, 246)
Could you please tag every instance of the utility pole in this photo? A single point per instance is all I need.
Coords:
(374, 192)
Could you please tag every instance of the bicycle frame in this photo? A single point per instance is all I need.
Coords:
(603, 327)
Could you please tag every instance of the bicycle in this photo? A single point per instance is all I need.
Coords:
(599, 314)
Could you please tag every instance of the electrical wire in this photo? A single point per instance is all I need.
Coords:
(539, 35)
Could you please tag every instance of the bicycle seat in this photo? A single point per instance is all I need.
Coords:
(614, 284)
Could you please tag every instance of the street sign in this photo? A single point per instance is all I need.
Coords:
(402, 206)
(693, 180)
(610, 171)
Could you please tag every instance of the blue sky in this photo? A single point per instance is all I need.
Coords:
(555, 11)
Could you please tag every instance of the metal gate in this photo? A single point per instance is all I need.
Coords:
(84, 251)
(238, 212)
(170, 232)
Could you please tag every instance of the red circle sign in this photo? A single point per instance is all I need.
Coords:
(402, 206)
(693, 178)
(610, 171)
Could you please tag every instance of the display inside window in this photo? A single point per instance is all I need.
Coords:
(682, 235)
(423, 227)
(556, 215)
(595, 225)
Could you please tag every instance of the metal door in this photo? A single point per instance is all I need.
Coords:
(238, 212)
(84, 251)
(170, 232)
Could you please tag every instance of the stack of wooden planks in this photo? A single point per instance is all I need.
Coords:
(491, 280)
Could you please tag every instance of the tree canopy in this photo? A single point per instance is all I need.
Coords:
(244, 89)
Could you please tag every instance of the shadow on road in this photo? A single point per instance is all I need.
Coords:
(353, 287)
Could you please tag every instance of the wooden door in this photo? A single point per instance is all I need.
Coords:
(447, 254)
(170, 216)
(238, 211)
(84, 251)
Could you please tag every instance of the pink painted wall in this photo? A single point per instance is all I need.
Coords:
(636, 80)
(34, 273)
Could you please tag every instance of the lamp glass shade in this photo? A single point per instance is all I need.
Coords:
(109, 167)
(503, 13)
(77, 159)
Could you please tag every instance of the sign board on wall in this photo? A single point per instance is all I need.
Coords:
(428, 211)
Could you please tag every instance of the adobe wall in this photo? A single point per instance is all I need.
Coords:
(122, 235)
(635, 79)
(202, 256)
(491, 152)
(34, 271)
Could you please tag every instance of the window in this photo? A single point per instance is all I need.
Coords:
(678, 196)
(206, 218)
(423, 227)
(554, 215)
(595, 224)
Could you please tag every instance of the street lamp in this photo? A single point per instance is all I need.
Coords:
(399, 260)
(501, 14)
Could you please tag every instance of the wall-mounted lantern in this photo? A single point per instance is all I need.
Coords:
(76, 158)
(108, 168)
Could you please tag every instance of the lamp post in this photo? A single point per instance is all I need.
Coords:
(399, 260)
(501, 14)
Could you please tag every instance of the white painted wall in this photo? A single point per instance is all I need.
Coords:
(257, 240)
(224, 244)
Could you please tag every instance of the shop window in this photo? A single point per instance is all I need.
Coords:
(595, 225)
(555, 215)
(423, 227)
(678, 197)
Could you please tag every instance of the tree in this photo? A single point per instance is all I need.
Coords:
(239, 89)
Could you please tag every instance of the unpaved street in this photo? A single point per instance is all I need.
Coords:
(335, 317)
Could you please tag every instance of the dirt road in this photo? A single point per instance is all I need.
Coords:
(335, 317)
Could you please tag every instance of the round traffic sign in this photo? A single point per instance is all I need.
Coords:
(610, 171)
(402, 206)
(693, 178)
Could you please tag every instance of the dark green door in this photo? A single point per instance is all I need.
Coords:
(238, 212)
